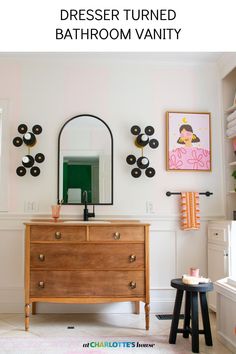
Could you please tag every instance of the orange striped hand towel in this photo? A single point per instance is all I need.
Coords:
(190, 219)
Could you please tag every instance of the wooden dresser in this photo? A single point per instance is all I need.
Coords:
(86, 263)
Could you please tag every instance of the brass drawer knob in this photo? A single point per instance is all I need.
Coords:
(42, 257)
(41, 284)
(116, 236)
(132, 258)
(58, 235)
(132, 285)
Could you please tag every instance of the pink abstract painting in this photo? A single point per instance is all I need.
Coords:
(188, 141)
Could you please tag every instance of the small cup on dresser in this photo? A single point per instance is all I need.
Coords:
(56, 211)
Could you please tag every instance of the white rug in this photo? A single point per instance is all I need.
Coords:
(85, 345)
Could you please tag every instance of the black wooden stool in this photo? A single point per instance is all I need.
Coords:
(191, 303)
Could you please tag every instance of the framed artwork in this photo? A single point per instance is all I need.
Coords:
(188, 141)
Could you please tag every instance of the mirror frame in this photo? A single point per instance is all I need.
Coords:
(58, 159)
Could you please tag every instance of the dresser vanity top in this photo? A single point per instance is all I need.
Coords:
(81, 222)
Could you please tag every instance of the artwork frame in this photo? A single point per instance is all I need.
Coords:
(188, 141)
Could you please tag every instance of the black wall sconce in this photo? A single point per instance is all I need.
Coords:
(141, 141)
(29, 139)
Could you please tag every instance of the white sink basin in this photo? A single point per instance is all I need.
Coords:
(86, 222)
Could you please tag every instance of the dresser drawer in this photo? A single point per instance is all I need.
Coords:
(87, 256)
(116, 233)
(86, 283)
(58, 233)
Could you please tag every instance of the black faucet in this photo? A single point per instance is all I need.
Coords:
(86, 212)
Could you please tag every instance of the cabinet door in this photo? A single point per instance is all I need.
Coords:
(217, 268)
(217, 262)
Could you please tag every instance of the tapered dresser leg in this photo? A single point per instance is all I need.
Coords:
(147, 311)
(27, 314)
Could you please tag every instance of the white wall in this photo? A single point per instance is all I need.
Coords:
(122, 89)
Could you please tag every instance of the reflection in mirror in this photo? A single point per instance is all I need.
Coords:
(85, 161)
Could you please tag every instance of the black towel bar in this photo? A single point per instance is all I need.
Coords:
(207, 194)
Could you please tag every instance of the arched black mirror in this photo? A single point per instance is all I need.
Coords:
(85, 161)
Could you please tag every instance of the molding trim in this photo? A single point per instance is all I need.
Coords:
(161, 288)
(226, 341)
(26, 216)
(160, 306)
(225, 291)
(12, 301)
(15, 222)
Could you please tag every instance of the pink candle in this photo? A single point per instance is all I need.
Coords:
(194, 272)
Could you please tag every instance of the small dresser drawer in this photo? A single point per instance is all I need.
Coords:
(58, 233)
(217, 235)
(87, 256)
(86, 283)
(116, 233)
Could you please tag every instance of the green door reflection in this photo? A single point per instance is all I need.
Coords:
(76, 180)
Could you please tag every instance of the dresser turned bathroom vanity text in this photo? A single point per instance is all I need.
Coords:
(68, 262)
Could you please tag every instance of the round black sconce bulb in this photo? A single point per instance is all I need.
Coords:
(17, 141)
(39, 157)
(135, 130)
(27, 161)
(153, 143)
(143, 162)
(136, 172)
(149, 130)
(21, 171)
(22, 128)
(29, 139)
(150, 172)
(142, 140)
(130, 159)
(35, 171)
(37, 129)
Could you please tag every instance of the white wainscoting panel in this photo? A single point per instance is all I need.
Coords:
(11, 258)
(162, 258)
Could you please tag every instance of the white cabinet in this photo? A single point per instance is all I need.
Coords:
(217, 268)
(218, 254)
(226, 313)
